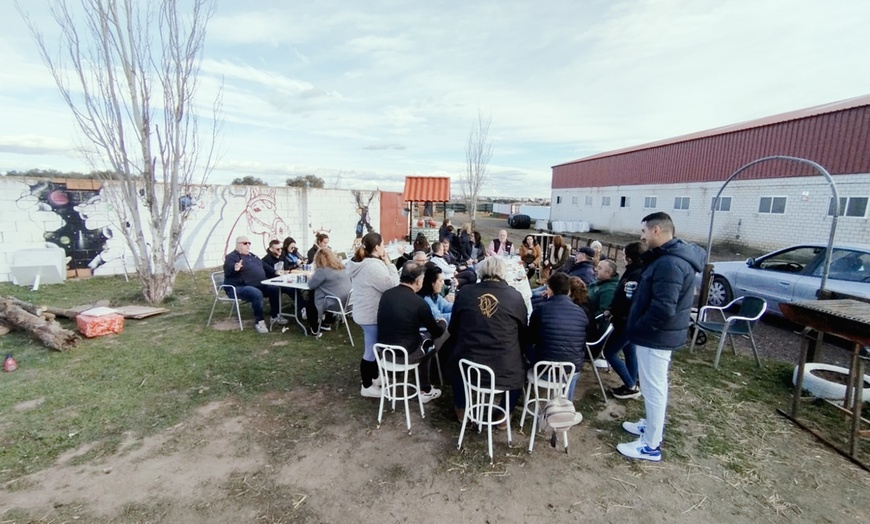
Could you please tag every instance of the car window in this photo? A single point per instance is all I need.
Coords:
(853, 266)
(790, 261)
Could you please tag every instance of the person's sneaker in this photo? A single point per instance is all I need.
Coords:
(325, 327)
(635, 428)
(624, 392)
(578, 418)
(261, 327)
(304, 314)
(376, 382)
(600, 363)
(639, 450)
(279, 320)
(314, 332)
(370, 392)
(428, 396)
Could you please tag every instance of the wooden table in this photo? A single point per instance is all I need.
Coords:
(848, 319)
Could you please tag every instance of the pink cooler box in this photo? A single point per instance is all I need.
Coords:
(91, 326)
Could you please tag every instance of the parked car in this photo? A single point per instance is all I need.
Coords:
(793, 274)
(518, 221)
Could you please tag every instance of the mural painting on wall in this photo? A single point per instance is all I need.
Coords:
(364, 225)
(80, 218)
(260, 221)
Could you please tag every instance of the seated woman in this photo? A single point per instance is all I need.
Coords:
(329, 278)
(530, 254)
(478, 250)
(433, 283)
(580, 295)
(290, 255)
(486, 325)
(321, 241)
(557, 254)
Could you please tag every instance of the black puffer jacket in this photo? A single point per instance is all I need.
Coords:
(659, 315)
(557, 332)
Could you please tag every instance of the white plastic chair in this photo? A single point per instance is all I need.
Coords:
(751, 310)
(343, 311)
(551, 378)
(480, 394)
(395, 385)
(229, 296)
(589, 345)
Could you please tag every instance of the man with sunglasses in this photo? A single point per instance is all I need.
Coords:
(244, 271)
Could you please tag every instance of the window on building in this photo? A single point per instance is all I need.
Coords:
(575, 200)
(649, 202)
(589, 200)
(774, 205)
(849, 207)
(724, 203)
(624, 201)
(605, 201)
(558, 200)
(681, 202)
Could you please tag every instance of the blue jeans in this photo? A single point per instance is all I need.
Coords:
(254, 295)
(370, 338)
(627, 371)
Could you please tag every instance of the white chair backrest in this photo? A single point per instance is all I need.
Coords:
(217, 280)
(386, 354)
(603, 338)
(553, 376)
(476, 378)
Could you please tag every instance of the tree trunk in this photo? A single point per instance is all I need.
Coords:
(40, 310)
(46, 331)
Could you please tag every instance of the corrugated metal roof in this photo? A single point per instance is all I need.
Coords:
(850, 103)
(427, 189)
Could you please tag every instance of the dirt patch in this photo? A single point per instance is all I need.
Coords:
(302, 456)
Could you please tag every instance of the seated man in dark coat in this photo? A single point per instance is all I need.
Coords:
(401, 314)
(245, 272)
(557, 329)
(486, 325)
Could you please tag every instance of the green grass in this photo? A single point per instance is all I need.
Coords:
(148, 378)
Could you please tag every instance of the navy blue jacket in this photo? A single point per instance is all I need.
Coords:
(660, 311)
(584, 270)
(253, 270)
(557, 332)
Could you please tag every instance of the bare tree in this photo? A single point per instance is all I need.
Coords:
(129, 70)
(478, 151)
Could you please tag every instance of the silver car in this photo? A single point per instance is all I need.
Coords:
(793, 274)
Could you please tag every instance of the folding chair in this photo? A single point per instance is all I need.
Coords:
(751, 310)
(589, 345)
(343, 311)
(553, 378)
(392, 362)
(478, 381)
(217, 284)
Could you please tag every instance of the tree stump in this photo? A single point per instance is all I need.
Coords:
(49, 332)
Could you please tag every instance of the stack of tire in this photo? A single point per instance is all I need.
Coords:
(518, 221)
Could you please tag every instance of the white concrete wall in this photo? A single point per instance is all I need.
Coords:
(804, 219)
(35, 210)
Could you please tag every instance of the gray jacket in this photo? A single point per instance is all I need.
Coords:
(327, 281)
(370, 278)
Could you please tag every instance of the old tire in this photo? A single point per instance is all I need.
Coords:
(821, 388)
(720, 292)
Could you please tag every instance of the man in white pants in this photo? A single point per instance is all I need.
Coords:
(658, 324)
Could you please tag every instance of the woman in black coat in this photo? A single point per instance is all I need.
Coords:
(488, 321)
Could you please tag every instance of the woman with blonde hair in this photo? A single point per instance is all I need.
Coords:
(371, 273)
(329, 279)
(557, 254)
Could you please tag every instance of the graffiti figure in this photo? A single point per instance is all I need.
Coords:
(364, 225)
(259, 218)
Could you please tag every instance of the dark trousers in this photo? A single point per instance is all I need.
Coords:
(255, 294)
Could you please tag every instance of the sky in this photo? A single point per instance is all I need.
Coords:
(363, 94)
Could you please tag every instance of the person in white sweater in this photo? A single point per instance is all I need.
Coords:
(371, 273)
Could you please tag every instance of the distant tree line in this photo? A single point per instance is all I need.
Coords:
(54, 173)
(300, 181)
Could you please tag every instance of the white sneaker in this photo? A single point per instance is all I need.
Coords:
(639, 450)
(430, 396)
(261, 327)
(578, 418)
(304, 314)
(279, 320)
(635, 428)
(376, 382)
(600, 363)
(370, 392)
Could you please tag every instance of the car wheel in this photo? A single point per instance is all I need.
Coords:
(720, 292)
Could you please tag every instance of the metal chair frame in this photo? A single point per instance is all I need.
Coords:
(589, 345)
(751, 310)
(392, 388)
(480, 402)
(345, 309)
(554, 378)
(218, 276)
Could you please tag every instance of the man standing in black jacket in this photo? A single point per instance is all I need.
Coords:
(401, 314)
(658, 322)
